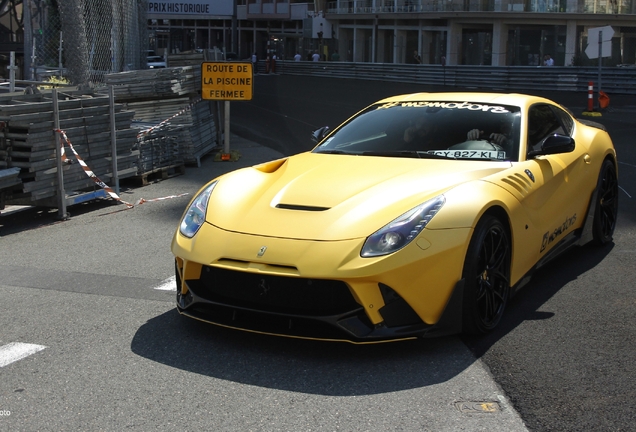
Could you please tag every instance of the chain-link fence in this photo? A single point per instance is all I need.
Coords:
(84, 39)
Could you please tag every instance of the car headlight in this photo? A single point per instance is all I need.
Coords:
(401, 231)
(195, 214)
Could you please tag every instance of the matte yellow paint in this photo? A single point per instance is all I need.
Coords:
(424, 278)
(190, 270)
(377, 190)
(535, 195)
(368, 295)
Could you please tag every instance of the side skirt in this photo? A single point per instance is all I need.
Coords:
(569, 241)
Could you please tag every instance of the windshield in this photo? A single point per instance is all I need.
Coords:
(427, 129)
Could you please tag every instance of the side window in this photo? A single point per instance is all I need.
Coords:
(542, 122)
(566, 120)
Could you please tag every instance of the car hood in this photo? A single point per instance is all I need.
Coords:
(333, 197)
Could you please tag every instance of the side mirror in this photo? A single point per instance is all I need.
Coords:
(554, 144)
(319, 134)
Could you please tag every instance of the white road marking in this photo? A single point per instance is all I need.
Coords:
(625, 192)
(169, 284)
(17, 351)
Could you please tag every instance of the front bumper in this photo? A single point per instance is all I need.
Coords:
(305, 308)
(320, 289)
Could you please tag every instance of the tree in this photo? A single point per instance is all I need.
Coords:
(75, 42)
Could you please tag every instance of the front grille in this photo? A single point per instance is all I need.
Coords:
(277, 294)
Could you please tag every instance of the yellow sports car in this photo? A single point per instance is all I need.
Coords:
(419, 216)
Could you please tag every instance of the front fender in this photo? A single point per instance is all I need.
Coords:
(467, 203)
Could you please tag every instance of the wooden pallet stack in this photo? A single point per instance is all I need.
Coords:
(155, 83)
(195, 58)
(166, 101)
(9, 181)
(203, 133)
(9, 177)
(187, 59)
(158, 147)
(27, 141)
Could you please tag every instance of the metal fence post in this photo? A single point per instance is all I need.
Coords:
(61, 193)
(113, 138)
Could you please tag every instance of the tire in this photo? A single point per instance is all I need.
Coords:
(606, 205)
(487, 276)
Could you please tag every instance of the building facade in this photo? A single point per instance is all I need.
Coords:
(489, 32)
(454, 32)
(242, 27)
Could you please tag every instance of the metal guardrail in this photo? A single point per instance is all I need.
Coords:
(616, 80)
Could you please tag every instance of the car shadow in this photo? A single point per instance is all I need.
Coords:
(545, 283)
(313, 367)
(342, 369)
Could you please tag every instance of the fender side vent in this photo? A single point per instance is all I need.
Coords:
(521, 184)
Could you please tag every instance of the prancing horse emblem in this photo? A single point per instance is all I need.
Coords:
(263, 288)
(529, 174)
(261, 251)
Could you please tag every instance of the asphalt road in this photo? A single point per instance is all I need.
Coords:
(104, 348)
(90, 340)
(565, 353)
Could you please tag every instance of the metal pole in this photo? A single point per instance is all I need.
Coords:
(234, 30)
(33, 65)
(28, 37)
(61, 193)
(59, 55)
(600, 62)
(113, 138)
(12, 69)
(374, 58)
(226, 139)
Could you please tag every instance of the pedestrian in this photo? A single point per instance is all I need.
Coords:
(416, 57)
(255, 62)
(297, 57)
(315, 57)
(548, 61)
(335, 56)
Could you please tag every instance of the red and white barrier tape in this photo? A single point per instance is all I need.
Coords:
(160, 124)
(96, 179)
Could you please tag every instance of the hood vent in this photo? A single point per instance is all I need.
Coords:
(300, 207)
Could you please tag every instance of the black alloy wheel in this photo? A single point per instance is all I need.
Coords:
(606, 210)
(487, 275)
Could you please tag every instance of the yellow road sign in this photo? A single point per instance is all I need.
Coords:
(227, 81)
